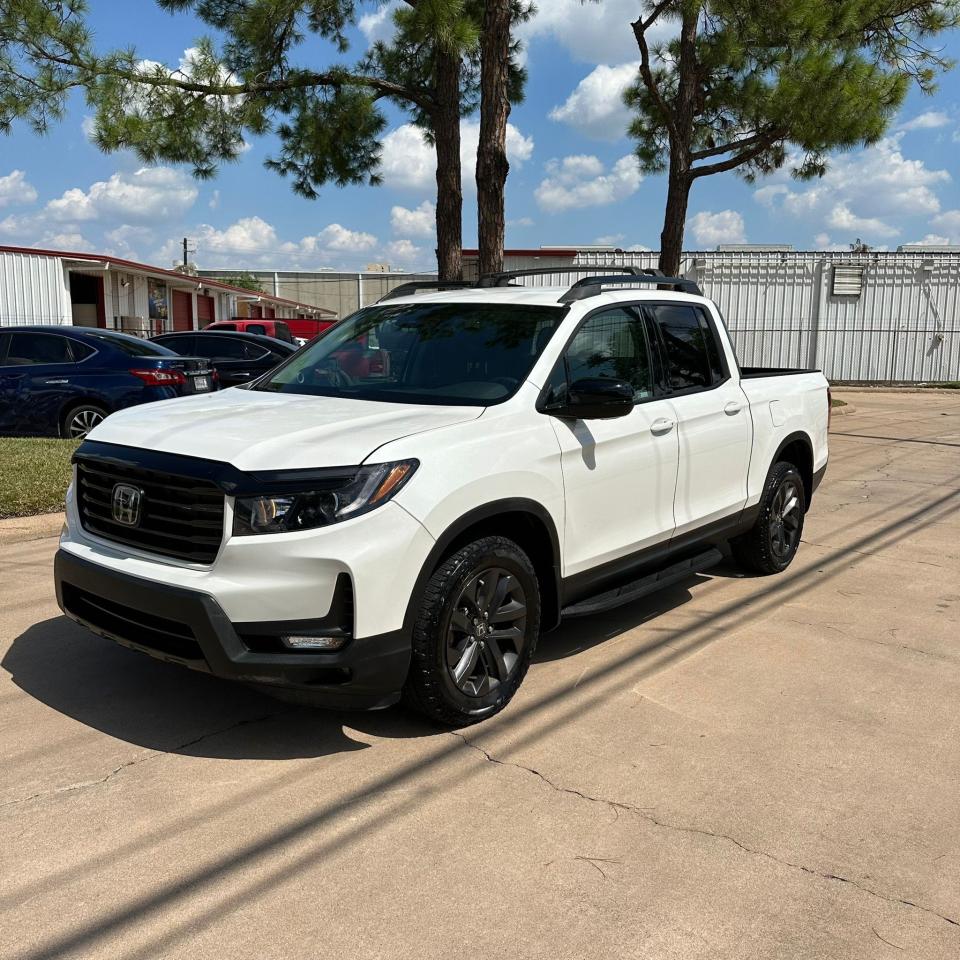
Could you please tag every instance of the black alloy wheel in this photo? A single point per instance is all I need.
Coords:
(487, 631)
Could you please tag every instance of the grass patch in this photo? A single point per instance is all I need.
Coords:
(837, 403)
(34, 475)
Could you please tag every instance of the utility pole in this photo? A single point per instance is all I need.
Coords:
(187, 250)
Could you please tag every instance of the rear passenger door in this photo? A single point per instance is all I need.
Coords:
(618, 474)
(37, 380)
(712, 414)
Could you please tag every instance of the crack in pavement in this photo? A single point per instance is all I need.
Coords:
(644, 814)
(136, 761)
(873, 556)
(892, 631)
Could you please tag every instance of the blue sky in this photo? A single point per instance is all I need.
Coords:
(573, 180)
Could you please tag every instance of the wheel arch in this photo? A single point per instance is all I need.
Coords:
(797, 448)
(80, 400)
(526, 522)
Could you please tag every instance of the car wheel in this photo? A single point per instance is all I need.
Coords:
(81, 420)
(772, 543)
(475, 634)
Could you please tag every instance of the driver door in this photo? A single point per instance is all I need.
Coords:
(619, 475)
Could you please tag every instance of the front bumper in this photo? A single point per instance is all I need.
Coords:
(190, 628)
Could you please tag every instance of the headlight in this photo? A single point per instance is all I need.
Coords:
(367, 489)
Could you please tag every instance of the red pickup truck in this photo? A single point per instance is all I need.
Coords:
(291, 331)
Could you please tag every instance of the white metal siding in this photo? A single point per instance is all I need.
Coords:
(33, 290)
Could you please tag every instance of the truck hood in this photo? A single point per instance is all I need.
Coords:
(273, 431)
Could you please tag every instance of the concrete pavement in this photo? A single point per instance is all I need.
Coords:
(736, 768)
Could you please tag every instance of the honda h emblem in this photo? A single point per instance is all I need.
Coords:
(126, 502)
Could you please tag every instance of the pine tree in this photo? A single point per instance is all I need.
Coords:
(750, 85)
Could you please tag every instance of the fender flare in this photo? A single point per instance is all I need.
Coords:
(488, 511)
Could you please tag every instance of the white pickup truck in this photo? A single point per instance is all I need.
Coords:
(403, 506)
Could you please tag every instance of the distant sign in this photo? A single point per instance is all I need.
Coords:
(157, 293)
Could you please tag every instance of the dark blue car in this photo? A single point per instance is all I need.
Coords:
(61, 381)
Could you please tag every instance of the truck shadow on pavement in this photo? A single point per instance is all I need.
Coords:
(164, 707)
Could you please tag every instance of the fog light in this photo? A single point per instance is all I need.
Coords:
(301, 642)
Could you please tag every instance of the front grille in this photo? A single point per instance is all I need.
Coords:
(170, 637)
(180, 516)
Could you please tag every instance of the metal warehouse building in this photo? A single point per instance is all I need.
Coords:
(874, 317)
(95, 290)
(341, 292)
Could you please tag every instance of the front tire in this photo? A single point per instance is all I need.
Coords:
(475, 634)
(80, 420)
(771, 544)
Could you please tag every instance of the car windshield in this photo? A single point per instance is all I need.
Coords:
(449, 353)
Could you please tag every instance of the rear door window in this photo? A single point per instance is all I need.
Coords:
(212, 347)
(257, 328)
(35, 348)
(692, 358)
(182, 345)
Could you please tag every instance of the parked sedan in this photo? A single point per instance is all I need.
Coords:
(61, 381)
(237, 357)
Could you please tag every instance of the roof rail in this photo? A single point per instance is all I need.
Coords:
(414, 285)
(503, 278)
(593, 286)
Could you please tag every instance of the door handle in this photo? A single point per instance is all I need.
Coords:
(661, 426)
(55, 381)
(732, 408)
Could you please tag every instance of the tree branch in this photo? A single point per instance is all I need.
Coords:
(763, 135)
(731, 163)
(640, 27)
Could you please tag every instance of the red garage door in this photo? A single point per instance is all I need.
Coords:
(182, 310)
(256, 311)
(270, 313)
(204, 310)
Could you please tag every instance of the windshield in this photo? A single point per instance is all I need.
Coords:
(451, 353)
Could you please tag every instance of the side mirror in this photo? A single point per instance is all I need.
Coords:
(594, 399)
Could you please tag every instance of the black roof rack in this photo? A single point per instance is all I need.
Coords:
(503, 278)
(593, 286)
(414, 285)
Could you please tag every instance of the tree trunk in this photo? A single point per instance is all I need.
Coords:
(492, 165)
(679, 179)
(446, 133)
(674, 218)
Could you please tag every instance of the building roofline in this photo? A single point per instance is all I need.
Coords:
(161, 271)
(532, 252)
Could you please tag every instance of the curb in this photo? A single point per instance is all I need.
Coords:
(23, 529)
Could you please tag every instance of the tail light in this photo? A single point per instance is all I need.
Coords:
(829, 407)
(161, 378)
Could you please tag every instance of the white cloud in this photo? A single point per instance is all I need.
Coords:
(214, 200)
(841, 217)
(930, 240)
(151, 193)
(592, 32)
(420, 222)
(610, 239)
(596, 106)
(336, 237)
(710, 229)
(408, 254)
(521, 222)
(949, 223)
(929, 120)
(378, 25)
(14, 188)
(408, 162)
(580, 181)
(864, 191)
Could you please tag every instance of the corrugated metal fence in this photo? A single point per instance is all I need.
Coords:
(902, 326)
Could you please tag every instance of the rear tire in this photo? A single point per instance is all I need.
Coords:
(771, 544)
(475, 634)
(80, 420)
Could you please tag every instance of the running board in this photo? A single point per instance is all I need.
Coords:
(647, 585)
